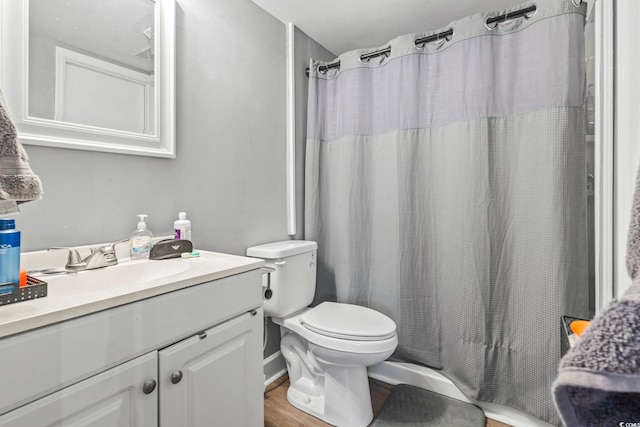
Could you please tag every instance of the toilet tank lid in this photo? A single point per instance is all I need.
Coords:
(281, 249)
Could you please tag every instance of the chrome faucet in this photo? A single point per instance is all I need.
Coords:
(101, 256)
(109, 252)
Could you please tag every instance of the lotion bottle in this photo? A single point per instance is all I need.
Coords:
(140, 240)
(182, 227)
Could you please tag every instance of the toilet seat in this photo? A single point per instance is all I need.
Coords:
(348, 322)
(371, 346)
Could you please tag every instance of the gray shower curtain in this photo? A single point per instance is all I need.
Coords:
(446, 187)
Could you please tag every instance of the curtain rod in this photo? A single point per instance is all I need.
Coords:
(365, 57)
(527, 12)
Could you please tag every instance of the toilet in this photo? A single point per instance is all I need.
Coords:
(328, 347)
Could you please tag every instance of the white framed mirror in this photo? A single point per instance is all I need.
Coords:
(91, 74)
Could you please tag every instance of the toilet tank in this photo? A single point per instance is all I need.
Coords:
(293, 283)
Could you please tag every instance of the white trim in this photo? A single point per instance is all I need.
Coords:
(627, 149)
(291, 131)
(274, 367)
(604, 166)
(14, 64)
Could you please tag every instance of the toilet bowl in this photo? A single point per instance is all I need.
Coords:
(328, 347)
(327, 357)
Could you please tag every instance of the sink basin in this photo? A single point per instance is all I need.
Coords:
(142, 270)
(126, 273)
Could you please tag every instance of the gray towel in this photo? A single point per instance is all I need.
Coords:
(18, 183)
(633, 239)
(598, 381)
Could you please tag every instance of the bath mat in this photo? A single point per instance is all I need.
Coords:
(410, 406)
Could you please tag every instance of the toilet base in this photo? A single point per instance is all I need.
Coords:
(328, 375)
(345, 400)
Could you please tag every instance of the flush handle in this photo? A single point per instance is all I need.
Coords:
(268, 293)
(281, 262)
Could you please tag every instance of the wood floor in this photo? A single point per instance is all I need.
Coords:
(279, 413)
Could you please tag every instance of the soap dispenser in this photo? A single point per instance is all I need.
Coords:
(140, 240)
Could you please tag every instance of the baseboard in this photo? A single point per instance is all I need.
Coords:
(274, 367)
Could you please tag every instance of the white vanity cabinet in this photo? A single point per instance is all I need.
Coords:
(190, 357)
(111, 398)
(209, 379)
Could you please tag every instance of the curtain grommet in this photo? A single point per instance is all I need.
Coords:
(365, 58)
(436, 43)
(535, 11)
(420, 42)
(489, 27)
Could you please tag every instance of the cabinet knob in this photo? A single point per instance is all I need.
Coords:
(149, 386)
(176, 377)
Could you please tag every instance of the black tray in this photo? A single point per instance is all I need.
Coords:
(35, 288)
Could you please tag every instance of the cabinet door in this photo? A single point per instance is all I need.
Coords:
(111, 398)
(215, 378)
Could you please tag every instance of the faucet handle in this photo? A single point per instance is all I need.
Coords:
(113, 245)
(109, 251)
(74, 256)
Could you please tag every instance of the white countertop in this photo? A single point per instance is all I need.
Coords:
(74, 295)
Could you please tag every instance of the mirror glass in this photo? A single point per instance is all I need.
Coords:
(96, 53)
(91, 74)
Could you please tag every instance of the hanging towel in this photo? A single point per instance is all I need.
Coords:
(598, 381)
(18, 183)
(633, 239)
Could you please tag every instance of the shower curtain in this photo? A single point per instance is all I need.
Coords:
(446, 187)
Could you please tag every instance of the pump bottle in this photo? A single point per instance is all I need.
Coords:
(140, 240)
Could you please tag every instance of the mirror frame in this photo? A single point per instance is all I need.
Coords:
(14, 82)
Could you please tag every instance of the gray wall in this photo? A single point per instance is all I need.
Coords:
(229, 174)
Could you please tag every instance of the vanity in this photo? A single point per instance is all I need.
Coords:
(145, 343)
